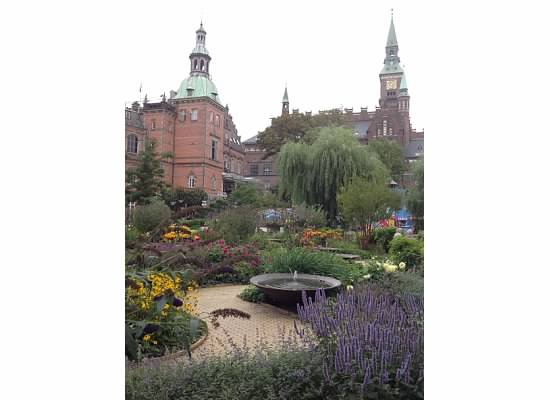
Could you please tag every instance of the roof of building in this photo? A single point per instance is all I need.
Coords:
(392, 38)
(414, 148)
(285, 96)
(252, 140)
(392, 68)
(201, 86)
(403, 85)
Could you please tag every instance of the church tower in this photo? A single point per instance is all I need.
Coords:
(286, 104)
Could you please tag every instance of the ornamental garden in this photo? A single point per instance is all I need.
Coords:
(331, 219)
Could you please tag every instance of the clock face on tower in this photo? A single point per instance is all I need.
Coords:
(391, 84)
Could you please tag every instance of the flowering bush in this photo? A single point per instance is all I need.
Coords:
(180, 232)
(160, 312)
(371, 339)
(407, 250)
(219, 261)
(311, 237)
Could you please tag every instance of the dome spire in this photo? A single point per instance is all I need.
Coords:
(391, 62)
(200, 59)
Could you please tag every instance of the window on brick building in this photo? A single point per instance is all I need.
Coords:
(211, 117)
(191, 182)
(239, 167)
(268, 169)
(391, 131)
(254, 169)
(131, 144)
(385, 127)
(213, 182)
(181, 116)
(153, 124)
(214, 149)
(226, 163)
(217, 120)
(194, 114)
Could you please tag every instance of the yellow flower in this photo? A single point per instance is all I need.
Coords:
(389, 267)
(146, 338)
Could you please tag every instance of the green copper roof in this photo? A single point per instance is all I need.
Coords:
(285, 97)
(390, 68)
(392, 39)
(403, 85)
(201, 86)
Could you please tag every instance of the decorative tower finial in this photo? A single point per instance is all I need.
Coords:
(200, 59)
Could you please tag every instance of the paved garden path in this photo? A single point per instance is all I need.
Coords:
(266, 324)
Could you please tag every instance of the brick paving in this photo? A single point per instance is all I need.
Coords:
(266, 323)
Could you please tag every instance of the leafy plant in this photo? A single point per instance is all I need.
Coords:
(310, 262)
(237, 224)
(252, 294)
(146, 181)
(184, 197)
(151, 216)
(407, 250)
(383, 236)
(365, 202)
(309, 216)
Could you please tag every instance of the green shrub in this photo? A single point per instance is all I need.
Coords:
(237, 224)
(400, 283)
(245, 270)
(383, 237)
(310, 262)
(350, 247)
(278, 375)
(308, 216)
(151, 216)
(252, 294)
(407, 250)
(184, 197)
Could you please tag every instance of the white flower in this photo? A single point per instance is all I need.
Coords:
(349, 287)
(402, 265)
(366, 276)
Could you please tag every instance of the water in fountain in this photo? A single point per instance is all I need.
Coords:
(296, 283)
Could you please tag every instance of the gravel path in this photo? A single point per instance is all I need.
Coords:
(267, 324)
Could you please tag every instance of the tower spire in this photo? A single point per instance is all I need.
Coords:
(391, 62)
(200, 59)
(285, 102)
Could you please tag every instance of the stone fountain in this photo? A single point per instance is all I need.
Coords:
(286, 289)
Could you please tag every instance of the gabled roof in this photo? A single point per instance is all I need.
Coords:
(252, 140)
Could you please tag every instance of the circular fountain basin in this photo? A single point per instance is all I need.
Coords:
(285, 289)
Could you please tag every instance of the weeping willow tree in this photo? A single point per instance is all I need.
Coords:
(315, 173)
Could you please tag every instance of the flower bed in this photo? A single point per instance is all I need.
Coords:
(161, 315)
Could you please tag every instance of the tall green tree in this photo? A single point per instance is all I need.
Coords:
(365, 202)
(146, 181)
(391, 154)
(313, 174)
(293, 128)
(415, 200)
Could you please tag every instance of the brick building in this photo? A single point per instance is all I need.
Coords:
(196, 129)
(135, 134)
(390, 119)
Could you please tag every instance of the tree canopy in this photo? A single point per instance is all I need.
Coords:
(293, 128)
(391, 154)
(146, 181)
(415, 200)
(365, 202)
(313, 174)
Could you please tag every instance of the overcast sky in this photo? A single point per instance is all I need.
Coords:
(329, 54)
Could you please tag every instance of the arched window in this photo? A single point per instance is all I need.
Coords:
(385, 127)
(131, 144)
(191, 182)
(213, 182)
(202, 65)
(195, 65)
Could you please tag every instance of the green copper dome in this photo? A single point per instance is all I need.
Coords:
(198, 86)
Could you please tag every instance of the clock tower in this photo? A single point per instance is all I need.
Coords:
(392, 73)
